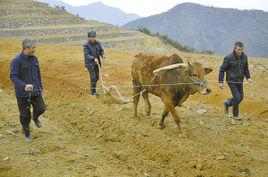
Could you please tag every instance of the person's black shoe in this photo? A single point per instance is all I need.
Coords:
(38, 123)
(226, 106)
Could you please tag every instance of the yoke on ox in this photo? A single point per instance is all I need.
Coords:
(169, 79)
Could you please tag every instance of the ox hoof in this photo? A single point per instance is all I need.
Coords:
(181, 135)
(148, 113)
(161, 127)
(134, 117)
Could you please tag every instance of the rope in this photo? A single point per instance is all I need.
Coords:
(131, 86)
(29, 95)
(108, 90)
(141, 92)
(251, 91)
(105, 89)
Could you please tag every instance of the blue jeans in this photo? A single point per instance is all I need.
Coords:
(238, 96)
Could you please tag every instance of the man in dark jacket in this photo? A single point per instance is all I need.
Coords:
(26, 78)
(236, 67)
(92, 53)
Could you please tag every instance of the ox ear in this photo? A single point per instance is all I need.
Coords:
(189, 64)
(188, 70)
(208, 70)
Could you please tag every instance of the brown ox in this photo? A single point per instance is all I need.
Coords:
(161, 75)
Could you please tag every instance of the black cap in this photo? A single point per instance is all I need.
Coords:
(92, 34)
(239, 44)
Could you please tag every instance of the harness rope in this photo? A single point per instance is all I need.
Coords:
(108, 90)
(130, 99)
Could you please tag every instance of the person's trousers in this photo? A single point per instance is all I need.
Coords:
(94, 77)
(24, 105)
(238, 96)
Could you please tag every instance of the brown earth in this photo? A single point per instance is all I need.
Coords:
(85, 136)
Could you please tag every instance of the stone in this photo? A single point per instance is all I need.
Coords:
(233, 122)
(5, 159)
(201, 111)
(201, 123)
(221, 157)
(146, 174)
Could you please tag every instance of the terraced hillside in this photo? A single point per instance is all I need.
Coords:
(28, 18)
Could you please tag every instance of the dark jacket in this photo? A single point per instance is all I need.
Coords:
(25, 70)
(236, 68)
(92, 51)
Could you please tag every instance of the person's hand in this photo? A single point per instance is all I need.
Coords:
(221, 85)
(96, 60)
(104, 57)
(28, 87)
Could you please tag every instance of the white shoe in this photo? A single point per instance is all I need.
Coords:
(236, 118)
(28, 138)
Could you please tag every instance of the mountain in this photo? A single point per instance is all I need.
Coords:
(97, 11)
(210, 28)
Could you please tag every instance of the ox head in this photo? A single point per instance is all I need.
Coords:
(196, 75)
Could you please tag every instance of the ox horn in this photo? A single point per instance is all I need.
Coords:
(169, 67)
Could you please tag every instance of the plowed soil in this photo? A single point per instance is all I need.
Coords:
(88, 136)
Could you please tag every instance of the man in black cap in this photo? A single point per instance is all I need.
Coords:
(92, 53)
(236, 67)
(26, 77)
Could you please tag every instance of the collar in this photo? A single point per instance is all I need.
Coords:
(92, 42)
(237, 56)
(26, 56)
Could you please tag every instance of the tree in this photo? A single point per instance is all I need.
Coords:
(63, 8)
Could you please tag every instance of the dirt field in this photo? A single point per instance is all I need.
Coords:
(85, 136)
